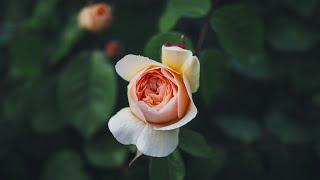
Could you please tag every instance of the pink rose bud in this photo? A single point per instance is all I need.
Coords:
(95, 17)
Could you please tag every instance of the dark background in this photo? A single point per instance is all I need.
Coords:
(258, 101)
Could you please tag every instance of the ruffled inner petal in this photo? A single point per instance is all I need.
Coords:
(161, 95)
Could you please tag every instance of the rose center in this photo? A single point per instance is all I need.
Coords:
(154, 88)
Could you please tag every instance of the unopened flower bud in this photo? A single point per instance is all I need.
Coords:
(95, 17)
(113, 48)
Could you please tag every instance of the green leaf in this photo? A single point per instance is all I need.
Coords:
(291, 36)
(316, 99)
(46, 117)
(6, 32)
(240, 32)
(241, 128)
(65, 165)
(43, 13)
(303, 8)
(194, 143)
(169, 168)
(214, 69)
(287, 132)
(87, 92)
(26, 52)
(105, 153)
(70, 35)
(177, 9)
(216, 162)
(153, 47)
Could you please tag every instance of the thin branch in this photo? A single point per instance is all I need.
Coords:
(202, 36)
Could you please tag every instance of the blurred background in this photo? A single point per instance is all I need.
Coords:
(258, 101)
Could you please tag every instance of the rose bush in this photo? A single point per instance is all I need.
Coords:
(160, 100)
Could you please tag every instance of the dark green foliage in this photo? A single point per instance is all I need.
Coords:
(87, 92)
(241, 128)
(214, 69)
(171, 167)
(194, 144)
(65, 165)
(105, 153)
(177, 9)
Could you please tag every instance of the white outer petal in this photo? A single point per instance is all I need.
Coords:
(130, 65)
(157, 143)
(126, 127)
(191, 113)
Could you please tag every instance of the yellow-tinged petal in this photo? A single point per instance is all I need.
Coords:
(191, 69)
(175, 57)
(182, 61)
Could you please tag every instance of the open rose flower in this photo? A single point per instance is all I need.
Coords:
(95, 17)
(160, 100)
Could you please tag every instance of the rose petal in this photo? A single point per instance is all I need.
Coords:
(191, 69)
(183, 97)
(175, 57)
(125, 126)
(130, 65)
(182, 61)
(191, 112)
(164, 115)
(132, 96)
(157, 143)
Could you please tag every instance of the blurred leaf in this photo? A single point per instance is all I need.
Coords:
(241, 32)
(215, 162)
(16, 107)
(316, 99)
(244, 162)
(6, 32)
(305, 75)
(289, 35)
(214, 69)
(70, 35)
(287, 132)
(194, 143)
(44, 13)
(65, 165)
(169, 168)
(16, 10)
(46, 117)
(168, 20)
(304, 8)
(105, 153)
(27, 53)
(242, 128)
(87, 92)
(177, 9)
(153, 47)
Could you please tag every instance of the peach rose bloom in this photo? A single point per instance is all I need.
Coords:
(160, 100)
(95, 17)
